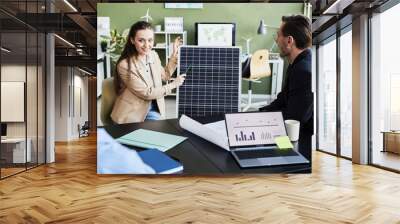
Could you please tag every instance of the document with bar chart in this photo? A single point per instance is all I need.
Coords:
(260, 128)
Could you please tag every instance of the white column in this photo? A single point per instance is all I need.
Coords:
(50, 92)
(50, 100)
(360, 90)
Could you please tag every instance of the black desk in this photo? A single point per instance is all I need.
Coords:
(199, 156)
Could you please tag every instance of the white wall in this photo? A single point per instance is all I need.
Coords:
(16, 73)
(71, 102)
(61, 103)
(33, 126)
(80, 109)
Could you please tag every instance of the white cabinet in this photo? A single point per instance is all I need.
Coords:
(276, 84)
(16, 146)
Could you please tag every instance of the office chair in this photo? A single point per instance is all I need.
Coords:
(84, 129)
(108, 98)
(253, 69)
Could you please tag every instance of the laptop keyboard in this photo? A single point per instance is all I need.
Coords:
(252, 154)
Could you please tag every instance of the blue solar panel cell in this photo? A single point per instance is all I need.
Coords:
(213, 81)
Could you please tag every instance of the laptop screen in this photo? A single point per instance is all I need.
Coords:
(254, 128)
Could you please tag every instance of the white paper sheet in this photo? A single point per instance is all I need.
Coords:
(213, 132)
(218, 127)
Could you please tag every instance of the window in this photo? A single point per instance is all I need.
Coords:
(327, 96)
(22, 74)
(346, 93)
(385, 85)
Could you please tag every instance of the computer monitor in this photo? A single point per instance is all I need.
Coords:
(3, 129)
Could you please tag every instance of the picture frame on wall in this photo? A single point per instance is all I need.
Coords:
(13, 98)
(215, 62)
(215, 34)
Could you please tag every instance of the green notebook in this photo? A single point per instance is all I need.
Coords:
(151, 139)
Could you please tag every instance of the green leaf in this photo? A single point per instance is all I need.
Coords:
(125, 33)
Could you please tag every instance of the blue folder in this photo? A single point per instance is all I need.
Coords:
(160, 162)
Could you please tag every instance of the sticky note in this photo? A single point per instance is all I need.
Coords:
(283, 142)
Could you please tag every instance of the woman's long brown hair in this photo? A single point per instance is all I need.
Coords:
(128, 52)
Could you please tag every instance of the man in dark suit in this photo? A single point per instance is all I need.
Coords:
(296, 98)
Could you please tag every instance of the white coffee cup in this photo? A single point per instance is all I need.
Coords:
(157, 28)
(292, 128)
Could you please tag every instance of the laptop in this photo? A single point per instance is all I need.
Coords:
(251, 138)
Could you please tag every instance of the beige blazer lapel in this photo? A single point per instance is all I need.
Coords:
(141, 71)
(155, 73)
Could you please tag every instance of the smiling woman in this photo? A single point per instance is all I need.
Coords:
(139, 75)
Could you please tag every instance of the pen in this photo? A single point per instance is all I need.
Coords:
(187, 70)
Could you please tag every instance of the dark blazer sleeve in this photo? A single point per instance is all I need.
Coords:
(300, 98)
(275, 105)
(296, 99)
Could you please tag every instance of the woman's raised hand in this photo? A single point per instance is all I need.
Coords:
(178, 42)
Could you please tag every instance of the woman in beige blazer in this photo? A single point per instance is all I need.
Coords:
(138, 78)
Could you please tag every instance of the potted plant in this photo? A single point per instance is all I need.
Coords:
(103, 45)
(117, 44)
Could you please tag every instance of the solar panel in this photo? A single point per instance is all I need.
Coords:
(213, 81)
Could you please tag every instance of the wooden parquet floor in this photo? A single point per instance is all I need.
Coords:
(70, 191)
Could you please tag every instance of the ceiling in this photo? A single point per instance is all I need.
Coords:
(332, 15)
(76, 25)
(75, 22)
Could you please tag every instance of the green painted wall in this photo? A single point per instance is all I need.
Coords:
(245, 15)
